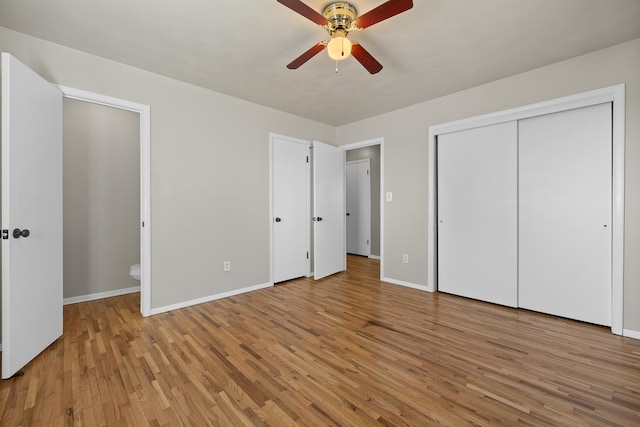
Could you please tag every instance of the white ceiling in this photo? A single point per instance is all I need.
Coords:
(241, 47)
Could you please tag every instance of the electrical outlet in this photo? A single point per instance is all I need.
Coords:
(405, 258)
(226, 266)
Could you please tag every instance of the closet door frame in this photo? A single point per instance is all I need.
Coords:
(614, 94)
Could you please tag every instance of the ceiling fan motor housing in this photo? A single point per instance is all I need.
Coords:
(341, 17)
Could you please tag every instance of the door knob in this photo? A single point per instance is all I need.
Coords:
(17, 233)
(319, 218)
(278, 219)
(348, 214)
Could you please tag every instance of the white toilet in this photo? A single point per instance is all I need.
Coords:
(134, 272)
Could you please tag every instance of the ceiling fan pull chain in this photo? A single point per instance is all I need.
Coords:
(336, 66)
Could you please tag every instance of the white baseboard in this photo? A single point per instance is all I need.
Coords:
(374, 256)
(631, 334)
(196, 301)
(406, 284)
(100, 295)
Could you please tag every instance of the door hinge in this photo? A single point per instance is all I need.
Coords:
(5, 234)
(307, 159)
(307, 254)
(367, 171)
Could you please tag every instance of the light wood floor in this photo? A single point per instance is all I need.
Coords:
(348, 350)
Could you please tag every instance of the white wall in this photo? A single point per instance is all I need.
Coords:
(209, 169)
(405, 135)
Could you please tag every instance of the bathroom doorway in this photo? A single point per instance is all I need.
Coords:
(118, 179)
(101, 200)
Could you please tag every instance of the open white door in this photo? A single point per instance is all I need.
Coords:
(329, 212)
(31, 214)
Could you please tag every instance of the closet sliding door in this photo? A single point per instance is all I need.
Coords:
(477, 213)
(565, 214)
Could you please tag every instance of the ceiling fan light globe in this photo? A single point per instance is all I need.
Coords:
(339, 48)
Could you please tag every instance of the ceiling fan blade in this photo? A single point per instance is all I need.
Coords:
(304, 10)
(365, 58)
(382, 12)
(316, 49)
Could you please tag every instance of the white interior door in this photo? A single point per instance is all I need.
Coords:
(31, 200)
(359, 207)
(329, 252)
(477, 213)
(290, 171)
(565, 214)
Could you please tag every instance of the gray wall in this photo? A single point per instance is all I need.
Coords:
(209, 169)
(372, 153)
(405, 135)
(101, 197)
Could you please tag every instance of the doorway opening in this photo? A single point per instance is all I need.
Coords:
(101, 201)
(374, 151)
(145, 180)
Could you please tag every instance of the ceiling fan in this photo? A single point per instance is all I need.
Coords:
(339, 18)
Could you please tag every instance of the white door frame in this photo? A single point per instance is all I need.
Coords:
(615, 94)
(145, 180)
(369, 143)
(273, 136)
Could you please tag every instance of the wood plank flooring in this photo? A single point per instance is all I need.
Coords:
(348, 350)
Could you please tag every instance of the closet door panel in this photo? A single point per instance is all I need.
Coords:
(477, 213)
(565, 214)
